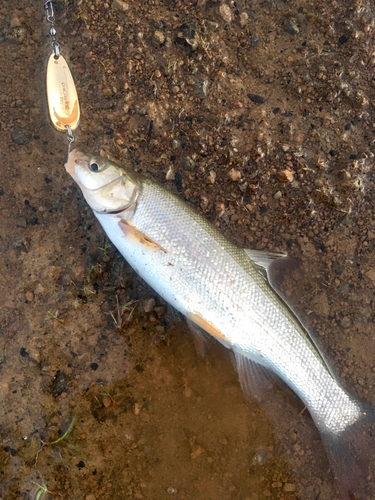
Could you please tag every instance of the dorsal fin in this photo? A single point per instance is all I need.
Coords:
(263, 260)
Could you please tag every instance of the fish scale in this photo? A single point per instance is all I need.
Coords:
(207, 275)
(220, 288)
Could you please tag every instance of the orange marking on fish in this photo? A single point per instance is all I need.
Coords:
(133, 233)
(198, 320)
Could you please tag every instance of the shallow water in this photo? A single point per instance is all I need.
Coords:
(293, 173)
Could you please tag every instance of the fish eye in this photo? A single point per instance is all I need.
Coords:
(98, 164)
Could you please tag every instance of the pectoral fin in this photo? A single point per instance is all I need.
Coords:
(206, 326)
(135, 234)
(200, 338)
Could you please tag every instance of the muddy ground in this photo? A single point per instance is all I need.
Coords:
(261, 115)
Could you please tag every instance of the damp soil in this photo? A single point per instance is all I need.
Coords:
(260, 114)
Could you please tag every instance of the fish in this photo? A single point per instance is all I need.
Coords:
(224, 291)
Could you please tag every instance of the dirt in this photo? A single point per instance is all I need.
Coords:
(261, 115)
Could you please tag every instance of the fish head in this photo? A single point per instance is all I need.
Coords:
(107, 187)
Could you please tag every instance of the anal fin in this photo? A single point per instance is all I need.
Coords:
(255, 379)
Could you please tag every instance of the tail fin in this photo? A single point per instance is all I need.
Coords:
(352, 456)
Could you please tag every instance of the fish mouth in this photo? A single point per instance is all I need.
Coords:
(75, 158)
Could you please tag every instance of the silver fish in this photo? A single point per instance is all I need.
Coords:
(223, 290)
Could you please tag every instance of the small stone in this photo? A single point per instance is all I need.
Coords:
(160, 311)
(371, 274)
(15, 22)
(170, 175)
(198, 450)
(289, 488)
(175, 144)
(137, 408)
(277, 195)
(148, 304)
(157, 74)
(234, 175)
(204, 202)
(188, 163)
(36, 356)
(226, 13)
(29, 296)
(120, 5)
(285, 175)
(21, 136)
(291, 27)
(200, 87)
(107, 401)
(21, 222)
(285, 147)
(211, 177)
(244, 18)
(257, 99)
(343, 39)
(39, 288)
(59, 384)
(158, 37)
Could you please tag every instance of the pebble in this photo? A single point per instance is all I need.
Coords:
(289, 488)
(285, 175)
(211, 177)
(106, 401)
(291, 26)
(226, 13)
(170, 175)
(257, 99)
(21, 136)
(148, 304)
(277, 195)
(120, 5)
(200, 87)
(197, 451)
(29, 296)
(15, 22)
(234, 175)
(204, 202)
(158, 37)
(244, 18)
(175, 144)
(21, 222)
(188, 163)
